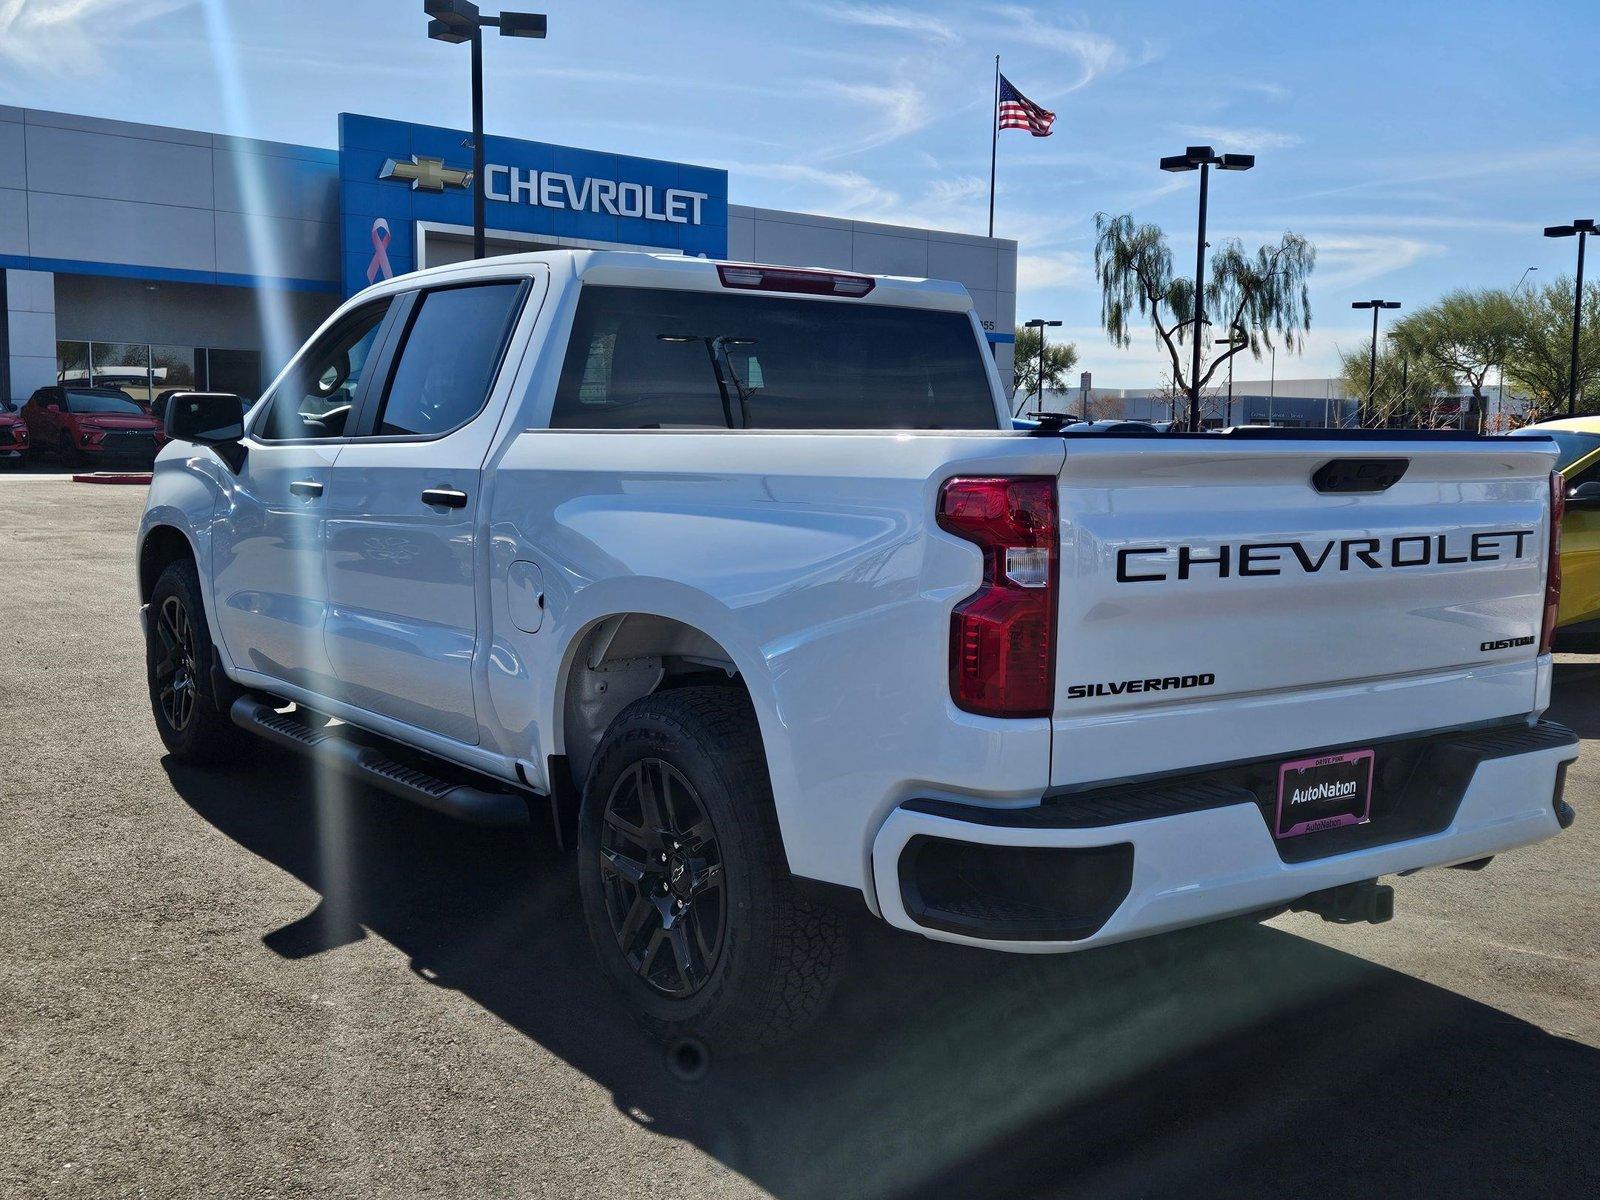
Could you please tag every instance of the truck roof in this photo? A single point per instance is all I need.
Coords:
(627, 268)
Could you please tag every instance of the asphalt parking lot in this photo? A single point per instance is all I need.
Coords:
(254, 982)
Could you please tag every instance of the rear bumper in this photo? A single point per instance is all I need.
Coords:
(1069, 874)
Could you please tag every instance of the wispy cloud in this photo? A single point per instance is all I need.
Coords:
(898, 109)
(1053, 268)
(1096, 55)
(70, 35)
(884, 16)
(1344, 260)
(1569, 163)
(843, 193)
(1249, 141)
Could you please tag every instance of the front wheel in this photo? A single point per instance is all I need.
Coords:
(686, 890)
(192, 720)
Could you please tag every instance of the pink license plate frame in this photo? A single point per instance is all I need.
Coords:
(1334, 768)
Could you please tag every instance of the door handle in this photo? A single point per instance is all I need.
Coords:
(309, 488)
(444, 497)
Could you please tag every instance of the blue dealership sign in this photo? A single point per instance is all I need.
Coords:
(393, 174)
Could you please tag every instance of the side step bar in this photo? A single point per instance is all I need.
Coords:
(369, 763)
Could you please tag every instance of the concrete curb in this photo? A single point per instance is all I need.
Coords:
(113, 477)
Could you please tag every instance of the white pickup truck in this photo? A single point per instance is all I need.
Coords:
(741, 576)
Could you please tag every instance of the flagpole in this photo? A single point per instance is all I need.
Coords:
(994, 139)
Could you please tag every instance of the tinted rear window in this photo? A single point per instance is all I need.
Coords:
(643, 358)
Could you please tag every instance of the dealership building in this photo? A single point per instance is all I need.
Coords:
(152, 258)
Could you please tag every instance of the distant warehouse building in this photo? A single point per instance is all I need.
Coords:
(151, 258)
(1286, 403)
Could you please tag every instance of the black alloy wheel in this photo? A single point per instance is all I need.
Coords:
(662, 875)
(175, 670)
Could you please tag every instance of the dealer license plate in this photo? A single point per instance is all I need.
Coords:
(1324, 793)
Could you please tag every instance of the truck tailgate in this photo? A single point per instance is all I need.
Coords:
(1218, 605)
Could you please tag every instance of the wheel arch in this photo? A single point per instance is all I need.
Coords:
(621, 657)
(161, 546)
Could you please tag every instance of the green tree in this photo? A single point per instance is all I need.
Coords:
(1262, 298)
(1408, 393)
(1465, 334)
(1540, 358)
(1059, 360)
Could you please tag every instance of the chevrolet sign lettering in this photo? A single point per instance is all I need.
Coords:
(552, 189)
(1150, 564)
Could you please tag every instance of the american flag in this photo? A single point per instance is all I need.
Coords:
(1018, 112)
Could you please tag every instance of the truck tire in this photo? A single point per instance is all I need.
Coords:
(193, 722)
(686, 891)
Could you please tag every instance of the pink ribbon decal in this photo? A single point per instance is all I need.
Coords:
(380, 252)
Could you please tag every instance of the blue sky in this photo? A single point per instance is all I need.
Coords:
(1422, 146)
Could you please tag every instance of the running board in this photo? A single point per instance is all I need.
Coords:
(369, 763)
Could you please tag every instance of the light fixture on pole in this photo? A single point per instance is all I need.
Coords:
(457, 21)
(1583, 229)
(1363, 409)
(1202, 159)
(1522, 279)
(1041, 326)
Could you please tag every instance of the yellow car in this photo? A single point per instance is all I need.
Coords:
(1578, 618)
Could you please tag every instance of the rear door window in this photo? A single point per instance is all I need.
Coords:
(646, 358)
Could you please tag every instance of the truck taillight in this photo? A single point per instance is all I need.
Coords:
(1552, 571)
(1002, 637)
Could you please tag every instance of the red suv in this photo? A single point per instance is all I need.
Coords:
(91, 422)
(13, 433)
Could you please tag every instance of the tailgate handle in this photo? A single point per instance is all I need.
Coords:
(1359, 474)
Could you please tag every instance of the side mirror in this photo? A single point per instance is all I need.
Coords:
(209, 418)
(1585, 495)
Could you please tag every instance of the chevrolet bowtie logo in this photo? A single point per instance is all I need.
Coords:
(426, 174)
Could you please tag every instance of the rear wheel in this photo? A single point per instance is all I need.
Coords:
(686, 891)
(192, 720)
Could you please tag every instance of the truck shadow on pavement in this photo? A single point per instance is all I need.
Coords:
(1231, 1060)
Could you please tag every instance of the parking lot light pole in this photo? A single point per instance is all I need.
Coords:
(457, 21)
(1238, 339)
(1202, 159)
(1363, 409)
(1041, 326)
(1583, 229)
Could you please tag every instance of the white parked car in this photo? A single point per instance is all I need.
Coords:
(741, 575)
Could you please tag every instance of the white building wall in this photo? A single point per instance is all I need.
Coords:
(31, 325)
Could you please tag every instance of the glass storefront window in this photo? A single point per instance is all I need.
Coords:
(72, 362)
(177, 368)
(146, 373)
(237, 371)
(124, 365)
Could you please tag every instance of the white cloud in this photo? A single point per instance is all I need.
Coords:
(883, 16)
(1247, 141)
(895, 111)
(847, 193)
(69, 35)
(1344, 260)
(1053, 268)
(1095, 53)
